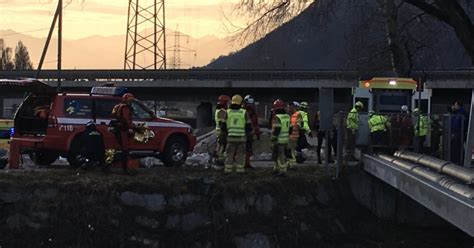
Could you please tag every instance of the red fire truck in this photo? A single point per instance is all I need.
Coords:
(47, 125)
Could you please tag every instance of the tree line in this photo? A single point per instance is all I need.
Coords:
(19, 61)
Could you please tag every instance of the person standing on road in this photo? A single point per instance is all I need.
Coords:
(321, 137)
(296, 122)
(459, 121)
(281, 129)
(92, 149)
(378, 129)
(421, 129)
(249, 106)
(352, 126)
(237, 127)
(302, 141)
(220, 117)
(122, 113)
(402, 129)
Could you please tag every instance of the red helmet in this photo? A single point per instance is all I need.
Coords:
(127, 97)
(223, 100)
(278, 104)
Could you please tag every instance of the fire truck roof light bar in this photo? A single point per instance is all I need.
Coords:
(111, 91)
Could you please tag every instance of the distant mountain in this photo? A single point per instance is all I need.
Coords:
(346, 35)
(107, 52)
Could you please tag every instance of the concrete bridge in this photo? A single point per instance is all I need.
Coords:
(237, 78)
(194, 90)
(449, 195)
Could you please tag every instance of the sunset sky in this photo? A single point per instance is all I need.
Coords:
(84, 18)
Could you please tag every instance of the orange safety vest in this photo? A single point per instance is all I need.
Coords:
(294, 135)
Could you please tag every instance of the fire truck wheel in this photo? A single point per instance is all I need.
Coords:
(43, 158)
(73, 153)
(176, 151)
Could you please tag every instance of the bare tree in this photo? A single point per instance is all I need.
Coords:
(266, 15)
(398, 52)
(455, 13)
(401, 43)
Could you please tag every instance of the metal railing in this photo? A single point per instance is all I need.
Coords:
(445, 137)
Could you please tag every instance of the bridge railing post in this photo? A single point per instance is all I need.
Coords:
(340, 142)
(470, 135)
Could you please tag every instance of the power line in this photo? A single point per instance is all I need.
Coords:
(25, 32)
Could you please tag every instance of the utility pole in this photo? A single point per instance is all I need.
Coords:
(139, 45)
(58, 15)
(60, 42)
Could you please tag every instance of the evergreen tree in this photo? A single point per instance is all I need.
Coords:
(22, 58)
(6, 63)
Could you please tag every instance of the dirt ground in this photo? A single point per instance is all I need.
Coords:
(339, 211)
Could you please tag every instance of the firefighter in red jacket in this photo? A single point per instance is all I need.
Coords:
(123, 113)
(249, 106)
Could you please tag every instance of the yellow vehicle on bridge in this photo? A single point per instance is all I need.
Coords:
(387, 95)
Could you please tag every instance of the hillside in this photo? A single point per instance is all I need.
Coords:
(346, 35)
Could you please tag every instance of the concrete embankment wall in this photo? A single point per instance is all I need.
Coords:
(170, 207)
(389, 204)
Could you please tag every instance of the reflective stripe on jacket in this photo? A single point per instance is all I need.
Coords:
(236, 122)
(296, 123)
(218, 119)
(284, 125)
(377, 123)
(352, 121)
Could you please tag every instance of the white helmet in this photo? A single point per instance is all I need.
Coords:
(248, 99)
(404, 108)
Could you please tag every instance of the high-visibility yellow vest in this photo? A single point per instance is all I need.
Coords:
(377, 123)
(236, 123)
(352, 121)
(423, 122)
(217, 120)
(304, 116)
(283, 136)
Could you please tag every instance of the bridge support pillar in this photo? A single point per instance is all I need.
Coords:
(204, 115)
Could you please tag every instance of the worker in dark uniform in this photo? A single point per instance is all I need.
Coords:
(249, 106)
(459, 126)
(122, 114)
(220, 117)
(321, 137)
(92, 150)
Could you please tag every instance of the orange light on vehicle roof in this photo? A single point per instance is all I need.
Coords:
(367, 84)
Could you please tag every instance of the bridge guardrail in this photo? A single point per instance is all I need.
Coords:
(204, 74)
(445, 137)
